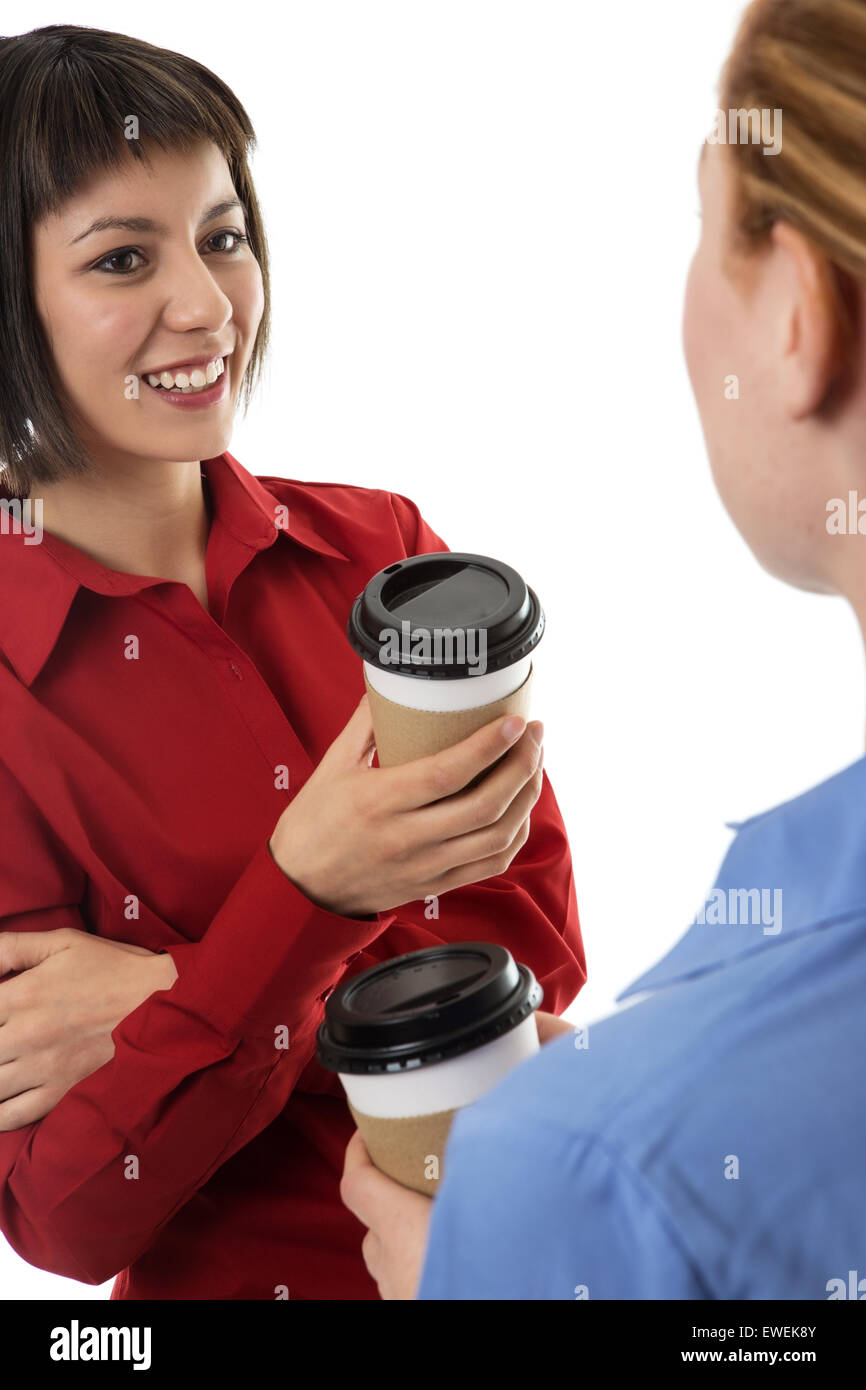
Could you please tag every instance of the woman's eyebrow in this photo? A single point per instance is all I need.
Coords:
(146, 224)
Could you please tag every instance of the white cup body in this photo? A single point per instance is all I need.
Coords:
(443, 1085)
(466, 692)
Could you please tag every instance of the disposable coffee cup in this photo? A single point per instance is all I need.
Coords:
(418, 1037)
(446, 641)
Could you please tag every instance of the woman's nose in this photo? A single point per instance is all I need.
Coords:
(193, 299)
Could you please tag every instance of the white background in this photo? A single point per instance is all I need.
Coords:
(481, 217)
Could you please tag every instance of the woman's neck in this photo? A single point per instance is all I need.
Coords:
(151, 519)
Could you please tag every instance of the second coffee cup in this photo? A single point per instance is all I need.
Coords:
(416, 1038)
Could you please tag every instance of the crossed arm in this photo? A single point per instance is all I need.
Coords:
(57, 1014)
(62, 993)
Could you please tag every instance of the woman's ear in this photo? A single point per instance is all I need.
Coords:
(815, 322)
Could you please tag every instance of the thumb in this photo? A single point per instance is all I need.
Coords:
(354, 742)
(20, 950)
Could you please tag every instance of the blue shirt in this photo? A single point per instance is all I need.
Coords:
(709, 1141)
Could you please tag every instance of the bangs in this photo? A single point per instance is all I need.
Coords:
(94, 100)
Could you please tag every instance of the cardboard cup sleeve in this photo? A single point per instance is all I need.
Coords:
(408, 1149)
(403, 734)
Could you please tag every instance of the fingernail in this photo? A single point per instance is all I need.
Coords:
(513, 728)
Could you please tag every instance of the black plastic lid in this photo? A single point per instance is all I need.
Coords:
(425, 1007)
(442, 590)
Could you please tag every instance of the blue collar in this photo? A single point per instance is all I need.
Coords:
(794, 869)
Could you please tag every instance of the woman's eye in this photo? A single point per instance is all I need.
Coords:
(108, 264)
(238, 236)
(104, 264)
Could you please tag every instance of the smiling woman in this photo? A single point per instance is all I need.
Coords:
(195, 846)
(183, 189)
(106, 320)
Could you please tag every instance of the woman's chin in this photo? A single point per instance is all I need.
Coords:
(186, 442)
(794, 570)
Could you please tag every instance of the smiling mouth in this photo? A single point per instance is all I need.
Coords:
(188, 383)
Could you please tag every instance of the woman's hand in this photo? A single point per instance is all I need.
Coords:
(57, 1016)
(358, 840)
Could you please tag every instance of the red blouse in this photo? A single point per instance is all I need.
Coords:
(145, 753)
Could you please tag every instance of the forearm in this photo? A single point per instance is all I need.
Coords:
(87, 1189)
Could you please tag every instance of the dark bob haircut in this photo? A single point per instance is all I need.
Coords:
(66, 96)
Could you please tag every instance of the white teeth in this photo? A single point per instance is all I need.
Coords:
(185, 382)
